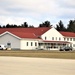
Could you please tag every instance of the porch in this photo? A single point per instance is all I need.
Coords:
(53, 45)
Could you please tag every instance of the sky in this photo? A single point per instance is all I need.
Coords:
(34, 12)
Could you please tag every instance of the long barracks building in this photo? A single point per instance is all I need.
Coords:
(32, 38)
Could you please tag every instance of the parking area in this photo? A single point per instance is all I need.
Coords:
(36, 66)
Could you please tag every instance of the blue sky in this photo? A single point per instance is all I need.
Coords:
(35, 12)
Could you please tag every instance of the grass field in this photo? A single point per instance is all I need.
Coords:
(40, 54)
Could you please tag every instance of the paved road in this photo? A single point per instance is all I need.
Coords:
(36, 66)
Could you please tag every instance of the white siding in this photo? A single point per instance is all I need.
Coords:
(29, 47)
(15, 43)
(71, 40)
(52, 33)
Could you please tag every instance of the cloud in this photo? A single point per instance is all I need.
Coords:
(29, 6)
(70, 3)
(36, 11)
(17, 20)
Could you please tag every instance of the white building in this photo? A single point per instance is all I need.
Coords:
(32, 38)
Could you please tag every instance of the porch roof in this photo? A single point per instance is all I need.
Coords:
(60, 42)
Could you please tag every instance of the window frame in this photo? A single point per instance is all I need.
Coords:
(67, 39)
(31, 43)
(52, 38)
(70, 39)
(45, 37)
(35, 43)
(59, 38)
(27, 43)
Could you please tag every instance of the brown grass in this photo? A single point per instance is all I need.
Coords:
(40, 53)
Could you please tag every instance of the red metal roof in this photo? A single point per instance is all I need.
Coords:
(26, 32)
(32, 32)
(68, 34)
(25, 35)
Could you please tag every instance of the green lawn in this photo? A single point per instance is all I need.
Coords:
(40, 53)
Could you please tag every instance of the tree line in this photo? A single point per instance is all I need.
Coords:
(60, 26)
(24, 25)
(70, 26)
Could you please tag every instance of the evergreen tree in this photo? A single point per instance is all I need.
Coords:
(0, 26)
(31, 26)
(71, 26)
(7, 26)
(60, 26)
(15, 26)
(45, 24)
(25, 24)
(57, 27)
(3, 26)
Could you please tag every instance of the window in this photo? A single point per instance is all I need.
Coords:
(52, 38)
(8, 45)
(73, 39)
(73, 45)
(27, 43)
(64, 39)
(31, 43)
(67, 39)
(56, 38)
(45, 38)
(70, 39)
(35, 43)
(59, 38)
